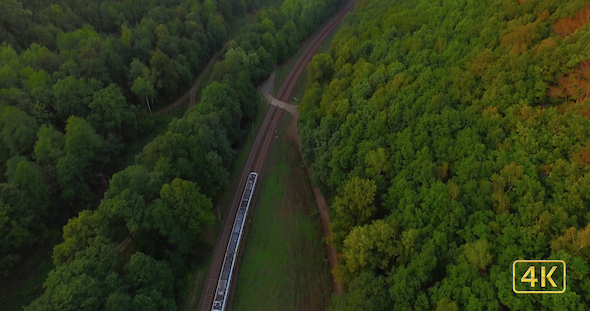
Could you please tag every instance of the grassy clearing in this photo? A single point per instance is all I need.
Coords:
(283, 266)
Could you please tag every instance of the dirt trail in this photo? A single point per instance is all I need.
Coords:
(284, 93)
(192, 91)
(324, 210)
(265, 90)
(123, 245)
(320, 200)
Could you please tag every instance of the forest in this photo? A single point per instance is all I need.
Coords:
(78, 83)
(452, 138)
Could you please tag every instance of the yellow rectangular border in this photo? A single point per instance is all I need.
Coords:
(534, 291)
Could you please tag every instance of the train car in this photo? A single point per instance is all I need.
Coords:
(229, 261)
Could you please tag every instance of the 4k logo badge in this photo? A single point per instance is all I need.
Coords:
(538, 276)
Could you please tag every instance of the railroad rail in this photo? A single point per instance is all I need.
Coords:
(256, 161)
(225, 278)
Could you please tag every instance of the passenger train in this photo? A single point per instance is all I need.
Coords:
(225, 278)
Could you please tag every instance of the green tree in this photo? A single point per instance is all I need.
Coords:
(66, 290)
(118, 301)
(129, 214)
(138, 69)
(128, 203)
(74, 169)
(377, 162)
(72, 174)
(24, 205)
(365, 292)
(13, 235)
(192, 211)
(126, 36)
(49, 147)
(145, 274)
(72, 97)
(321, 68)
(477, 254)
(144, 90)
(83, 283)
(576, 241)
(16, 21)
(81, 139)
(216, 30)
(371, 246)
(78, 234)
(163, 73)
(168, 148)
(18, 131)
(354, 207)
(446, 304)
(220, 98)
(27, 177)
(136, 179)
(109, 113)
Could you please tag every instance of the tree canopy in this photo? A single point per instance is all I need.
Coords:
(452, 139)
(78, 80)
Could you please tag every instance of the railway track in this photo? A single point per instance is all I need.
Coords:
(208, 295)
(286, 90)
(257, 156)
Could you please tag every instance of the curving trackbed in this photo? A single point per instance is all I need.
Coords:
(257, 159)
